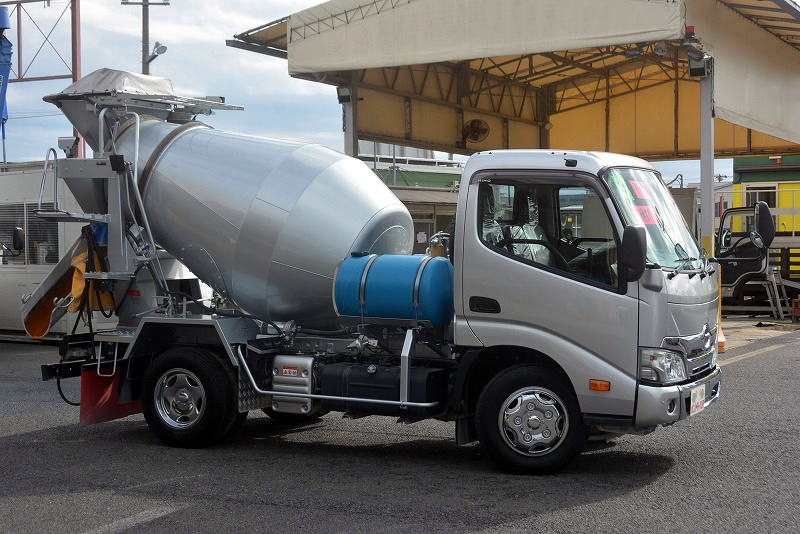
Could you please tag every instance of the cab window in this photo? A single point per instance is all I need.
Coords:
(562, 227)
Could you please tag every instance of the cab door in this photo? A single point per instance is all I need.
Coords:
(539, 270)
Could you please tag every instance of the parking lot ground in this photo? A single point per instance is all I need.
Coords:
(741, 331)
(732, 468)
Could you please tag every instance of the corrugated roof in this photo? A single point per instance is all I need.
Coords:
(781, 18)
(425, 196)
(413, 178)
(270, 38)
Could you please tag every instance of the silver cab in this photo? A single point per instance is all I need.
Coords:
(542, 272)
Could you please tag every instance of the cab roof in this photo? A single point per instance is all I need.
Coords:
(579, 161)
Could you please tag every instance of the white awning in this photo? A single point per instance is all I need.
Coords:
(756, 76)
(355, 34)
(575, 74)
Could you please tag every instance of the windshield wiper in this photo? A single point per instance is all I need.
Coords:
(682, 259)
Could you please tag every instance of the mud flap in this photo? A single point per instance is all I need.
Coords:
(100, 398)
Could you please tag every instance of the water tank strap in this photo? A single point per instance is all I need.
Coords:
(147, 170)
(418, 279)
(362, 287)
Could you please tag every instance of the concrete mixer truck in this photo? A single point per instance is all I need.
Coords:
(245, 273)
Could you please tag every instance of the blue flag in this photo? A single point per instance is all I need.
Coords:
(5, 69)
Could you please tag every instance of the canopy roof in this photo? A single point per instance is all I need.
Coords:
(468, 75)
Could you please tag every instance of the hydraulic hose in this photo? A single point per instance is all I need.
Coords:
(64, 397)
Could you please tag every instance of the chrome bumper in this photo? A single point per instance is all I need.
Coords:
(662, 405)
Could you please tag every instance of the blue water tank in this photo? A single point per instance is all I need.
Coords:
(391, 287)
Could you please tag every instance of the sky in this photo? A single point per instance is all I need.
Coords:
(198, 63)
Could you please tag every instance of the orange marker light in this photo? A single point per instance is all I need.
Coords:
(599, 385)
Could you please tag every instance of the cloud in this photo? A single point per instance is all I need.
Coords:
(197, 61)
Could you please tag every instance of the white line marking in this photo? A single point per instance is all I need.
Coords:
(751, 354)
(134, 520)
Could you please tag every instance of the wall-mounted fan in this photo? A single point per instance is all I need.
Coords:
(475, 131)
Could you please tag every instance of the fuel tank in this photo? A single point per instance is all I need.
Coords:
(264, 222)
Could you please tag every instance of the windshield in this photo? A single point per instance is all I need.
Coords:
(645, 201)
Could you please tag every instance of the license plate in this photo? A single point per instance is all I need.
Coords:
(698, 400)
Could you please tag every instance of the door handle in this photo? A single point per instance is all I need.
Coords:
(484, 305)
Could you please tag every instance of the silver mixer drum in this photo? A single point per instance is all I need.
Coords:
(265, 222)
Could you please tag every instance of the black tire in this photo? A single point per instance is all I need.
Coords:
(210, 413)
(505, 445)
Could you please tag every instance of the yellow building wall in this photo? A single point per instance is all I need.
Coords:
(788, 198)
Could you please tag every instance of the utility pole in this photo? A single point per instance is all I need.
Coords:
(146, 55)
(145, 36)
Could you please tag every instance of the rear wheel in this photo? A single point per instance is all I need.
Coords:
(528, 420)
(189, 399)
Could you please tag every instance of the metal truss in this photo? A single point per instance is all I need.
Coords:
(25, 21)
(455, 85)
(579, 78)
(514, 88)
(331, 21)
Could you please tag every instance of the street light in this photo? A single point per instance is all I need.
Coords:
(146, 30)
(158, 49)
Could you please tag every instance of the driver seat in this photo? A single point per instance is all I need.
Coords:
(491, 229)
(526, 226)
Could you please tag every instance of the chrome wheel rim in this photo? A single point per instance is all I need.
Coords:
(180, 398)
(533, 421)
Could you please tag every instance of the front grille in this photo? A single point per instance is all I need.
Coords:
(700, 364)
(698, 350)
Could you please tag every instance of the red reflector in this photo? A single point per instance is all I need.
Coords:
(134, 293)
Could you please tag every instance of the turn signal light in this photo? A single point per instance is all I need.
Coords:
(599, 385)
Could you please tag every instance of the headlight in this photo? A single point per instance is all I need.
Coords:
(662, 366)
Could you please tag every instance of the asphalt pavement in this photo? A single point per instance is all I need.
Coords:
(733, 468)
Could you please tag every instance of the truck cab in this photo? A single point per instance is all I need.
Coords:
(539, 256)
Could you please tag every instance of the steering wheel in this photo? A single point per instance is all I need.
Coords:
(561, 261)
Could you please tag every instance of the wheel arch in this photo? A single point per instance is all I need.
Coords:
(479, 365)
(153, 338)
(157, 335)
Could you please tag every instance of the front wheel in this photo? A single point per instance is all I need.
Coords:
(528, 420)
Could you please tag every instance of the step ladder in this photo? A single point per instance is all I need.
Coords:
(776, 293)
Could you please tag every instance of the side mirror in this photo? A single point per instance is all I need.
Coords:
(725, 238)
(18, 239)
(765, 226)
(633, 254)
